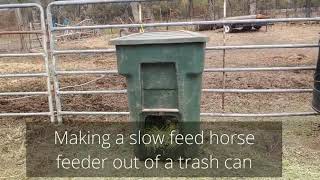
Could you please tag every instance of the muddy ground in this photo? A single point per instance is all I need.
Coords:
(301, 137)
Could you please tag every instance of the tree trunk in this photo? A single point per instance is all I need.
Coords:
(308, 8)
(211, 12)
(21, 23)
(253, 7)
(44, 4)
(277, 4)
(230, 9)
(190, 9)
(149, 12)
(295, 7)
(135, 11)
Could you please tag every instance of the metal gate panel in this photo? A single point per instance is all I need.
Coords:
(43, 55)
(55, 52)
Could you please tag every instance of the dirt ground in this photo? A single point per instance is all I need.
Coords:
(301, 137)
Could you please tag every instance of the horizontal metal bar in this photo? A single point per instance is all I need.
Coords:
(22, 93)
(20, 32)
(258, 90)
(23, 5)
(209, 48)
(86, 72)
(259, 69)
(25, 114)
(83, 51)
(79, 2)
(205, 114)
(205, 70)
(23, 75)
(93, 113)
(123, 91)
(267, 46)
(190, 23)
(160, 110)
(93, 92)
(260, 114)
(22, 55)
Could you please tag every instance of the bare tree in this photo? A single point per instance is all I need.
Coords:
(277, 3)
(295, 7)
(21, 27)
(253, 7)
(211, 11)
(148, 8)
(308, 8)
(135, 11)
(190, 9)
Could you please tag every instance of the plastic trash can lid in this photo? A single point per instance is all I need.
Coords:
(168, 37)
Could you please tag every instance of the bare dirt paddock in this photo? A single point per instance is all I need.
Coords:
(301, 136)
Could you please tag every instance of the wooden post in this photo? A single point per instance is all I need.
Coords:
(20, 28)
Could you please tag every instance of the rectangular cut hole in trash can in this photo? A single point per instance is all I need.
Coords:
(161, 126)
(161, 121)
(159, 84)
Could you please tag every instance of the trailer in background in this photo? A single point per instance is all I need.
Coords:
(228, 28)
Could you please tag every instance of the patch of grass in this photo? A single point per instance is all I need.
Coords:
(161, 131)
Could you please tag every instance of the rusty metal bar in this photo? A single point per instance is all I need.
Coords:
(22, 55)
(25, 114)
(22, 93)
(20, 32)
(23, 75)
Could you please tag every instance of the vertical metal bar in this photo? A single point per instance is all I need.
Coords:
(224, 8)
(30, 35)
(223, 74)
(224, 58)
(140, 12)
(140, 17)
(54, 74)
(46, 60)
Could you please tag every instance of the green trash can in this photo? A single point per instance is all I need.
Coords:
(164, 75)
(316, 89)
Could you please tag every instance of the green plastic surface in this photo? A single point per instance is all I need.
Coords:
(167, 37)
(164, 79)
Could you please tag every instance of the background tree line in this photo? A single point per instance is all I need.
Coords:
(172, 10)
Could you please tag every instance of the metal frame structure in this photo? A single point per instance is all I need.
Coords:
(43, 54)
(55, 53)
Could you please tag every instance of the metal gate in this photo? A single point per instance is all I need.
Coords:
(56, 73)
(43, 55)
